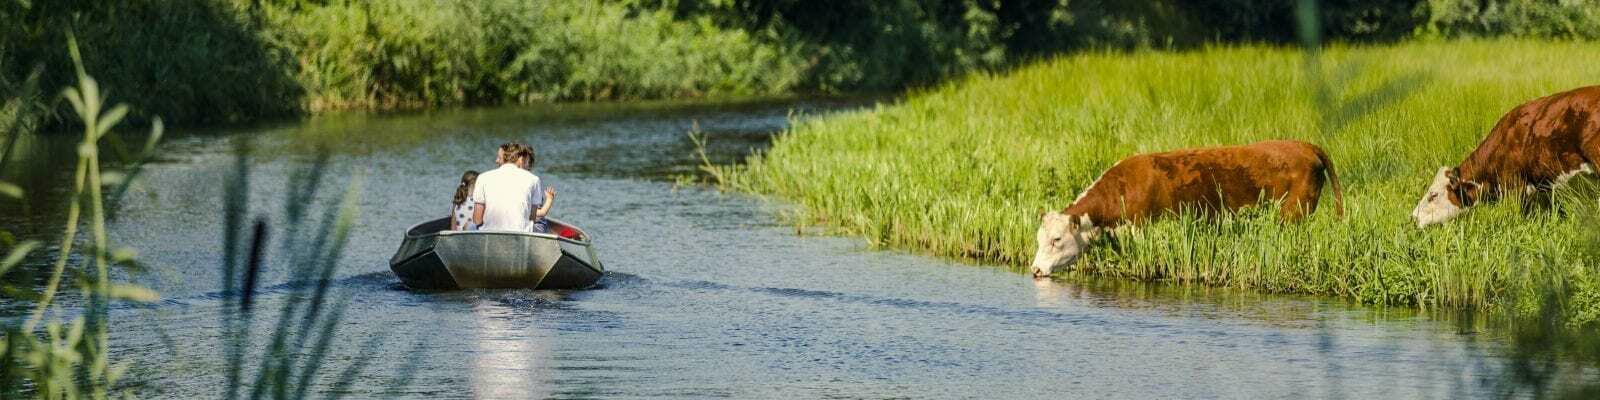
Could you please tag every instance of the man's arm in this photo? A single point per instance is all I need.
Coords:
(478, 195)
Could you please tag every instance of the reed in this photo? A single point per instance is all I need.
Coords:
(51, 358)
(964, 169)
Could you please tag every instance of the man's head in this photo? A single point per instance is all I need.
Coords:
(1062, 238)
(1447, 197)
(524, 156)
(503, 154)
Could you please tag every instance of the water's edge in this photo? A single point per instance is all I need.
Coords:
(708, 294)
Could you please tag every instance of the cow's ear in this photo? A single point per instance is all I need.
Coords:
(1083, 221)
(1085, 230)
(1466, 192)
(1453, 174)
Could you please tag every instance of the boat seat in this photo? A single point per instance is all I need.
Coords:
(566, 232)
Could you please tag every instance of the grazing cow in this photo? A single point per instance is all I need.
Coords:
(1534, 148)
(1207, 180)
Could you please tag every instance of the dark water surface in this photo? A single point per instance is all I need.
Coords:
(707, 295)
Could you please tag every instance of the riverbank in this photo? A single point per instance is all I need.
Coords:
(215, 62)
(229, 61)
(706, 293)
(964, 170)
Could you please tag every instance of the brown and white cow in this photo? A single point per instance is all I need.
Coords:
(1534, 148)
(1207, 180)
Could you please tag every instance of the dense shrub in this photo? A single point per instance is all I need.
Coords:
(215, 61)
(209, 61)
(404, 53)
(1274, 20)
(1578, 19)
(890, 44)
(187, 60)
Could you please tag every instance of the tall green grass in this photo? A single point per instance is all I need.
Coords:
(965, 169)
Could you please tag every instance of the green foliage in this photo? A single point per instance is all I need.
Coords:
(1553, 346)
(892, 44)
(1577, 19)
(49, 359)
(192, 61)
(884, 45)
(964, 169)
(223, 61)
(69, 359)
(1275, 20)
(404, 53)
(220, 61)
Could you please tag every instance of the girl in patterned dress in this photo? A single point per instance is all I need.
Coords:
(461, 205)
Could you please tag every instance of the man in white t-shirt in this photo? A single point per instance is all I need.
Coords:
(508, 198)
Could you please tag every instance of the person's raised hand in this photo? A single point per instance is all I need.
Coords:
(550, 192)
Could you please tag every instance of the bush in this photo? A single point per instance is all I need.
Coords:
(223, 61)
(407, 54)
(1274, 20)
(1573, 19)
(195, 61)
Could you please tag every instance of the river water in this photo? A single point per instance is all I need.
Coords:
(708, 294)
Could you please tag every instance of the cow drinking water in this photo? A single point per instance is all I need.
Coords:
(1534, 148)
(1207, 180)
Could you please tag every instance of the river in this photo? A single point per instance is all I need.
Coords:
(708, 294)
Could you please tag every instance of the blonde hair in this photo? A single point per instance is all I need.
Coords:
(506, 150)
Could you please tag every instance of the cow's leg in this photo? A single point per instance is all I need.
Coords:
(1537, 198)
(1588, 174)
(1300, 201)
(1589, 146)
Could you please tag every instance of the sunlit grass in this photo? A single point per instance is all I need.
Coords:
(965, 169)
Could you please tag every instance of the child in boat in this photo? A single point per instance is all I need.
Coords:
(460, 206)
(523, 154)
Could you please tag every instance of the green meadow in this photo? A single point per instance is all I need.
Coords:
(965, 169)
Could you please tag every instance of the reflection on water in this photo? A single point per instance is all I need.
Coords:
(510, 361)
(1050, 293)
(707, 295)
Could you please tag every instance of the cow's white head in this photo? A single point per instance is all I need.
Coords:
(1448, 196)
(1062, 238)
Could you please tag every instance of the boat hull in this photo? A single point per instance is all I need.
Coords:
(432, 258)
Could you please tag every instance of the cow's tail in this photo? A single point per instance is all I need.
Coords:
(1333, 178)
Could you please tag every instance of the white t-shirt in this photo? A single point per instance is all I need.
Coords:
(509, 195)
